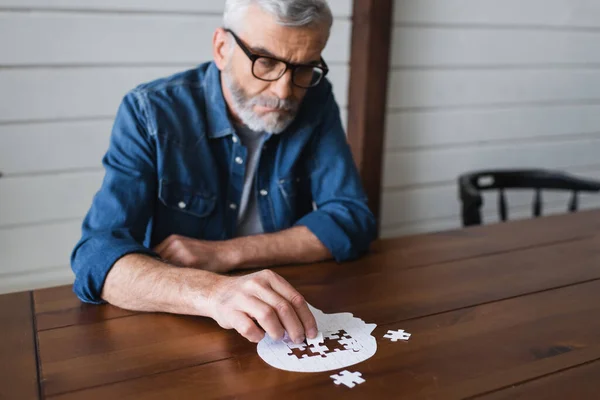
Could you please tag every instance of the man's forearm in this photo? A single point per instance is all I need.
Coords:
(297, 245)
(141, 283)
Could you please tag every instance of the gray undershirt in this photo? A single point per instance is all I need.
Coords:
(249, 222)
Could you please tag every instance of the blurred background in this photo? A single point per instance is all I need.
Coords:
(472, 84)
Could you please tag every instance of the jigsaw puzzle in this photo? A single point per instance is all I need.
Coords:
(322, 345)
(346, 340)
(394, 336)
(348, 378)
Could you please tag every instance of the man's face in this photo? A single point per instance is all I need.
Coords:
(261, 105)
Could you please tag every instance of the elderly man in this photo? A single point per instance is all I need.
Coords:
(239, 163)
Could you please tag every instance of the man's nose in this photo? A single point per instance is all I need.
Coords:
(283, 86)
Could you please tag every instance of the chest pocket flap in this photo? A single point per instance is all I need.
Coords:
(185, 199)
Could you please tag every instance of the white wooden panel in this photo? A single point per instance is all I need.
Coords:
(36, 279)
(24, 148)
(430, 203)
(444, 165)
(200, 6)
(442, 88)
(30, 248)
(339, 8)
(577, 13)
(119, 39)
(75, 145)
(55, 93)
(344, 117)
(44, 199)
(70, 92)
(491, 47)
(451, 223)
(40, 198)
(409, 129)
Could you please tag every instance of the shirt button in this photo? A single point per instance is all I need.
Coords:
(181, 204)
(239, 160)
(235, 139)
(233, 206)
(264, 192)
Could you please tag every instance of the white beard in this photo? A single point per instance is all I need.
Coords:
(272, 122)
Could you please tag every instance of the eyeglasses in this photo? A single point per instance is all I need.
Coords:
(270, 69)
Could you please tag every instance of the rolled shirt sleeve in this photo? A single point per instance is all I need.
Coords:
(342, 220)
(121, 211)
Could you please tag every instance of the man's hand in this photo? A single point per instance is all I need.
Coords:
(200, 254)
(141, 283)
(295, 245)
(264, 297)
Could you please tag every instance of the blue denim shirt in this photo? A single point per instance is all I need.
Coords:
(176, 166)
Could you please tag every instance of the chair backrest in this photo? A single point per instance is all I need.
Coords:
(471, 185)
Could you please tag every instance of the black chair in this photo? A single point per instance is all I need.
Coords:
(472, 184)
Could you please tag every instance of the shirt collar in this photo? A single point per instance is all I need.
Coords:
(217, 117)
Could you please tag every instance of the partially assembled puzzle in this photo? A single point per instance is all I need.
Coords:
(323, 345)
(343, 340)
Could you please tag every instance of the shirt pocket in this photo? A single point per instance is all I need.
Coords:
(186, 210)
(288, 187)
(183, 198)
(296, 193)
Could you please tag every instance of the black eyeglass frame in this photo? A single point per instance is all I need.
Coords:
(288, 66)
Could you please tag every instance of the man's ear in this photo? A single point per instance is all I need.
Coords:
(221, 48)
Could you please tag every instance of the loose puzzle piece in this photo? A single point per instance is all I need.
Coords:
(316, 341)
(394, 336)
(348, 378)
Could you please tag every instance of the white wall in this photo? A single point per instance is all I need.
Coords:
(484, 84)
(64, 67)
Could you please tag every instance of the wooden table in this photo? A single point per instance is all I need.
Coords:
(496, 312)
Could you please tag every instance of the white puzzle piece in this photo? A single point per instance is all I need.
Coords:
(348, 378)
(400, 334)
(323, 350)
(316, 341)
(346, 340)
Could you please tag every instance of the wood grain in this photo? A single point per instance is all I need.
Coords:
(449, 355)
(59, 307)
(387, 296)
(126, 348)
(489, 307)
(81, 356)
(18, 369)
(573, 383)
(443, 247)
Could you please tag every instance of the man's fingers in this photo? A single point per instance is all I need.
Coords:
(297, 301)
(265, 315)
(164, 245)
(170, 253)
(285, 311)
(246, 327)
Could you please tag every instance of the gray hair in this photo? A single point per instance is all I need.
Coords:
(289, 13)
